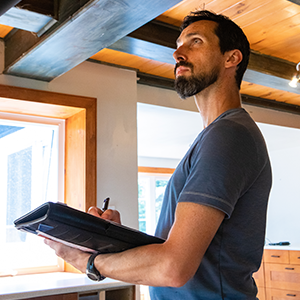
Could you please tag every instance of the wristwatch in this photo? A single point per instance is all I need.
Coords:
(91, 270)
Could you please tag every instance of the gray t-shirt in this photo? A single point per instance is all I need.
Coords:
(228, 168)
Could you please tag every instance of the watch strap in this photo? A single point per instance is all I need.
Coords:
(91, 271)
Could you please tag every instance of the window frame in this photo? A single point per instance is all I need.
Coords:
(80, 115)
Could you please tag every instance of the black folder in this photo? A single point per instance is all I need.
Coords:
(81, 230)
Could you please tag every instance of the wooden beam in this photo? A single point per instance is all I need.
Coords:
(271, 104)
(166, 83)
(44, 7)
(271, 65)
(77, 38)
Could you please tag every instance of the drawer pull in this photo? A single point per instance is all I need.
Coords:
(291, 295)
(277, 256)
(290, 268)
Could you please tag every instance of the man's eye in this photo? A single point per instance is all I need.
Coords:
(197, 41)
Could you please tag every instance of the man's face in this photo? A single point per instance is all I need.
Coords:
(198, 58)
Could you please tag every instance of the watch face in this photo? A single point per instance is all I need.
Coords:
(93, 276)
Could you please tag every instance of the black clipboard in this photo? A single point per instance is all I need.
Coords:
(81, 230)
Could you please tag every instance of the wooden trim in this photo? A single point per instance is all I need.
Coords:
(80, 138)
(156, 170)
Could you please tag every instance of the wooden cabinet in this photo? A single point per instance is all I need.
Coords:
(295, 257)
(281, 275)
(276, 256)
(275, 294)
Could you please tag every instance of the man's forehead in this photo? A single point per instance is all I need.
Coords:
(203, 28)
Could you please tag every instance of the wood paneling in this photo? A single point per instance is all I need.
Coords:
(272, 26)
(4, 30)
(269, 93)
(132, 61)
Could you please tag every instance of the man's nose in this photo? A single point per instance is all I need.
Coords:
(179, 54)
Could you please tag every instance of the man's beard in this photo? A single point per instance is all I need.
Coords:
(194, 84)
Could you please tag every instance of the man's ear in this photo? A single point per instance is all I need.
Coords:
(233, 58)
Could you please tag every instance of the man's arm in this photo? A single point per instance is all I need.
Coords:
(172, 263)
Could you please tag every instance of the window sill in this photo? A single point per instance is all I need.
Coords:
(38, 285)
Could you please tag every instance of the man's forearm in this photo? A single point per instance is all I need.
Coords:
(147, 265)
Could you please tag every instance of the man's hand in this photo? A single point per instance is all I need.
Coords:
(109, 214)
(73, 256)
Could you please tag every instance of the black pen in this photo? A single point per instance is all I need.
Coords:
(105, 204)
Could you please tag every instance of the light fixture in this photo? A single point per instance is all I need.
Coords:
(296, 78)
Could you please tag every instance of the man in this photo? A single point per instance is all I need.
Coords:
(214, 211)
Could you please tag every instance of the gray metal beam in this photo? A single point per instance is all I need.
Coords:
(295, 1)
(25, 19)
(96, 25)
(5, 5)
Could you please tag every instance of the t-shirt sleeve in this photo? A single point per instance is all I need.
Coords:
(222, 167)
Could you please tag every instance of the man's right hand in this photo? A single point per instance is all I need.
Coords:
(109, 214)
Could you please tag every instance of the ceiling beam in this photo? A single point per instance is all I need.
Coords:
(5, 5)
(295, 1)
(167, 83)
(77, 38)
(26, 19)
(43, 7)
(157, 41)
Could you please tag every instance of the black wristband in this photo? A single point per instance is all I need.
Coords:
(91, 270)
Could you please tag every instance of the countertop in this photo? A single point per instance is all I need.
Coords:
(292, 247)
(36, 285)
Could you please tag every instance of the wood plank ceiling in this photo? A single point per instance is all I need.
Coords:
(145, 40)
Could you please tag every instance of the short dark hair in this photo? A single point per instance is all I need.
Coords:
(230, 35)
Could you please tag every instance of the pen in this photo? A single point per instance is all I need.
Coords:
(105, 204)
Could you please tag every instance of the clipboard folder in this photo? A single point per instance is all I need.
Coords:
(78, 229)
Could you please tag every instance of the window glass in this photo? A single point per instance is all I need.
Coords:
(29, 176)
(151, 192)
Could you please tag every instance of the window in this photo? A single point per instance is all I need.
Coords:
(31, 173)
(152, 183)
(151, 192)
(78, 174)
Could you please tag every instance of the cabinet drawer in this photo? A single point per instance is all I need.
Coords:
(282, 276)
(275, 294)
(295, 257)
(276, 256)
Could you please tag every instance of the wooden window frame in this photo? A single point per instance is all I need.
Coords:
(80, 115)
(156, 170)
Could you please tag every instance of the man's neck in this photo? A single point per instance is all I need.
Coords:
(212, 102)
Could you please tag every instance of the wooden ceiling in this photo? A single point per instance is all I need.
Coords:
(145, 40)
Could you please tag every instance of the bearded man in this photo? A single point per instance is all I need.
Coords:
(214, 211)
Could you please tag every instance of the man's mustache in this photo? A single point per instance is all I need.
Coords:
(183, 64)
